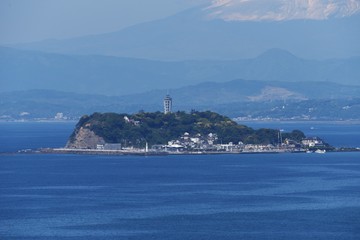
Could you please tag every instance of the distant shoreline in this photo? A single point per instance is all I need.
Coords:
(300, 121)
(141, 152)
(352, 121)
(40, 121)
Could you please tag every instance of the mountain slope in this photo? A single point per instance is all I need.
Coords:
(212, 93)
(25, 70)
(193, 35)
(234, 98)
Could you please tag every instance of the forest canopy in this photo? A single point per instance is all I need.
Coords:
(159, 128)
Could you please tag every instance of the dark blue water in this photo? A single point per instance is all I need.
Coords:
(266, 196)
(16, 136)
(283, 196)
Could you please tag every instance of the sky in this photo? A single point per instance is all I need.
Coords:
(35, 20)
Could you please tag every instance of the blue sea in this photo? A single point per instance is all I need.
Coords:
(244, 196)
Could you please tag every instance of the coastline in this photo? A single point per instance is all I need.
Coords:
(142, 152)
(286, 121)
(334, 121)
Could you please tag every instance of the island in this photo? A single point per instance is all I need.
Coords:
(180, 133)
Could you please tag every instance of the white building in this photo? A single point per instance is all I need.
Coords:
(312, 142)
(167, 104)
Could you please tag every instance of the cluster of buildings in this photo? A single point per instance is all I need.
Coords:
(198, 143)
(208, 143)
(189, 142)
(312, 142)
(204, 144)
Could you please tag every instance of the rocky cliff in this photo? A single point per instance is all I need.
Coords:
(84, 138)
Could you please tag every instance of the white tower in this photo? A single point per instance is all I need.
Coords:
(167, 104)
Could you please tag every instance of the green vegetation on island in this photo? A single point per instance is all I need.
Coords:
(159, 128)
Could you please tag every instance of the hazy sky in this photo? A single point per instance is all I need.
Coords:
(33, 20)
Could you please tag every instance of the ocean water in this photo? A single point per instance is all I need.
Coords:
(244, 196)
(16, 136)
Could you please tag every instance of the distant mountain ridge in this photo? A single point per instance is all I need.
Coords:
(192, 34)
(213, 93)
(26, 70)
(235, 98)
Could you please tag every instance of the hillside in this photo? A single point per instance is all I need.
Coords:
(193, 35)
(237, 98)
(158, 128)
(27, 70)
